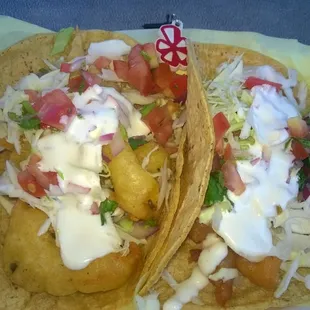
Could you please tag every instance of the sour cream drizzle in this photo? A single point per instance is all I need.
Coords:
(76, 155)
(247, 228)
(214, 251)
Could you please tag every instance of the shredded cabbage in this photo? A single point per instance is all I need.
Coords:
(163, 184)
(52, 80)
(146, 159)
(112, 49)
(287, 278)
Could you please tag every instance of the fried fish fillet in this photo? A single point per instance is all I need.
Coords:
(34, 263)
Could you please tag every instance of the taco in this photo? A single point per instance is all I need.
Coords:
(249, 245)
(92, 138)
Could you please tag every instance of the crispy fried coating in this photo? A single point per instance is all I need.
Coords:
(34, 263)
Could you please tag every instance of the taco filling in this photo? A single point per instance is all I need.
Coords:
(92, 142)
(255, 218)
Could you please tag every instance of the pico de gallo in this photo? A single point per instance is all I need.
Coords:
(255, 221)
(93, 142)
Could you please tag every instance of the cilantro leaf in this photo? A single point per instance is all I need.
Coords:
(136, 142)
(27, 108)
(145, 55)
(62, 39)
(29, 123)
(302, 179)
(106, 206)
(216, 190)
(302, 175)
(305, 142)
(147, 109)
(13, 117)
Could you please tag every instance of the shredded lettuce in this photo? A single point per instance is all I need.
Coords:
(62, 39)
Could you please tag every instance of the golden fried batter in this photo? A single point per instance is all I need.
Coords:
(135, 188)
(157, 157)
(35, 264)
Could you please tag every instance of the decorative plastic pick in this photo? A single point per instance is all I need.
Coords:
(171, 45)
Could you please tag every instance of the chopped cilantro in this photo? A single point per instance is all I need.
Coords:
(29, 123)
(106, 206)
(302, 179)
(62, 39)
(302, 175)
(151, 223)
(147, 109)
(136, 142)
(145, 55)
(307, 120)
(81, 87)
(216, 190)
(123, 132)
(80, 116)
(27, 108)
(13, 117)
(304, 142)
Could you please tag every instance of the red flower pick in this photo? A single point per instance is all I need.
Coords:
(171, 46)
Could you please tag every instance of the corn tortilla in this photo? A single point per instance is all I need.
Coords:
(18, 61)
(206, 58)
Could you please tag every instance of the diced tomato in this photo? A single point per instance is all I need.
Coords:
(139, 74)
(252, 81)
(55, 105)
(30, 185)
(297, 127)
(32, 94)
(76, 82)
(65, 67)
(232, 179)
(299, 151)
(160, 123)
(45, 179)
(178, 86)
(149, 48)
(165, 132)
(121, 69)
(102, 62)
(163, 76)
(305, 193)
(44, 126)
(216, 165)
(228, 154)
(219, 147)
(221, 125)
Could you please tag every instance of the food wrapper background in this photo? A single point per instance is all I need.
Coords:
(287, 51)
